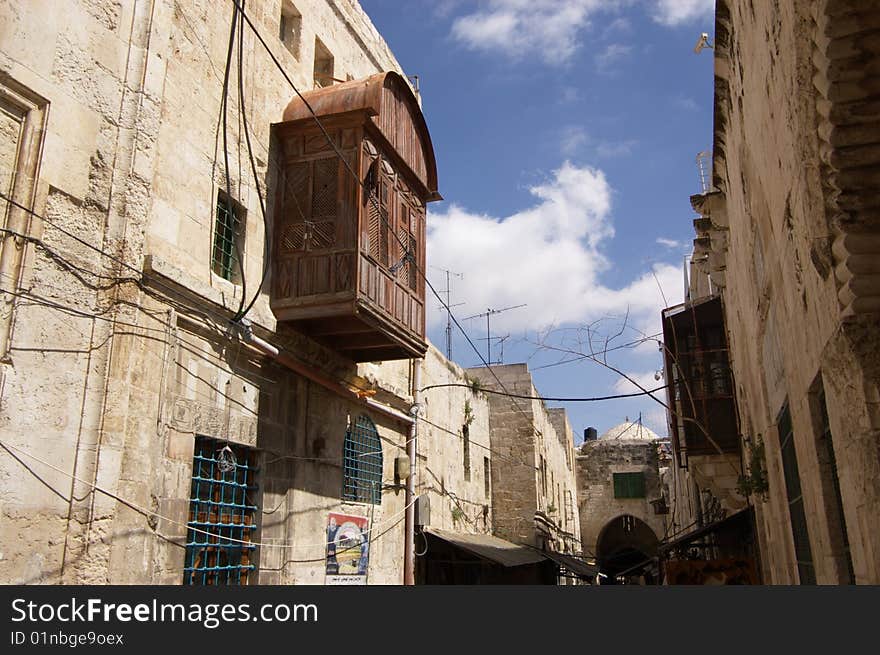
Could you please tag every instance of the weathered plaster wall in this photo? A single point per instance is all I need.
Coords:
(780, 106)
(107, 379)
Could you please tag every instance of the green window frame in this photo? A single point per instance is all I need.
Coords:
(796, 511)
(228, 251)
(629, 485)
(362, 463)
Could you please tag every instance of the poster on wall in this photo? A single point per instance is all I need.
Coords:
(348, 549)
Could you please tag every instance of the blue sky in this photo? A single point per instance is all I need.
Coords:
(565, 133)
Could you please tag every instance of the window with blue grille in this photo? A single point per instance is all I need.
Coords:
(226, 257)
(222, 515)
(362, 463)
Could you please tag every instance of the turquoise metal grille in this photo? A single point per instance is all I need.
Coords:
(362, 463)
(227, 227)
(223, 505)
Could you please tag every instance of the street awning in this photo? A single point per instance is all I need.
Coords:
(491, 548)
(572, 564)
(740, 520)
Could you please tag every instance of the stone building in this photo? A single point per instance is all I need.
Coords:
(618, 486)
(533, 483)
(788, 243)
(160, 423)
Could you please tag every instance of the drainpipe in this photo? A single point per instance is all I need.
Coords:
(409, 550)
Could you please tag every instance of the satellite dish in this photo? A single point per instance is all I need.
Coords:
(703, 42)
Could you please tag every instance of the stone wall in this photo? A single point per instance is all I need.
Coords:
(532, 472)
(456, 485)
(596, 463)
(107, 375)
(792, 160)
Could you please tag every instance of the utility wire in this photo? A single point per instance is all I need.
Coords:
(266, 238)
(384, 219)
(149, 513)
(230, 207)
(547, 398)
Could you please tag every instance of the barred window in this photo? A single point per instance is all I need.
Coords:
(362, 463)
(796, 511)
(229, 234)
(222, 515)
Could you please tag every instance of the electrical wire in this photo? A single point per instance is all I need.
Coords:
(151, 514)
(230, 208)
(579, 358)
(384, 219)
(266, 238)
(547, 398)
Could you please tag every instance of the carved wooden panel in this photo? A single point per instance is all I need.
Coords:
(344, 270)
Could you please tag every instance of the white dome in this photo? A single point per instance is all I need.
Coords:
(630, 430)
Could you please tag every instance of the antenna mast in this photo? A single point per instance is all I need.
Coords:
(449, 306)
(488, 313)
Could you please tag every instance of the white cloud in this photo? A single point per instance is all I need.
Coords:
(670, 243)
(686, 103)
(645, 379)
(677, 12)
(572, 139)
(655, 419)
(609, 149)
(611, 56)
(518, 28)
(618, 26)
(549, 256)
(554, 29)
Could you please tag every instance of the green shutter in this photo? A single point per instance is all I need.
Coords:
(629, 485)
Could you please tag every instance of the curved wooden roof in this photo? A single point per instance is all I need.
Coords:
(391, 105)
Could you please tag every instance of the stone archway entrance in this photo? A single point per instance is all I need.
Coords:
(624, 542)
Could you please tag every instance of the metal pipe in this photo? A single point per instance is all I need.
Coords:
(409, 551)
(307, 372)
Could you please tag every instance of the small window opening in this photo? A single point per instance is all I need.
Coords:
(229, 233)
(290, 27)
(323, 65)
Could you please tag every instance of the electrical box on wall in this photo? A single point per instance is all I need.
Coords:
(423, 510)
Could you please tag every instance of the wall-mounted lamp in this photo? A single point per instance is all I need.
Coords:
(703, 43)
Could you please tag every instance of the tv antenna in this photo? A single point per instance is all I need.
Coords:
(488, 313)
(449, 306)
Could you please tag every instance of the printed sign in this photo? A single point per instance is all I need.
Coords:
(348, 549)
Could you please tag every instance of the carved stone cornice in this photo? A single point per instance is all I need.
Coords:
(846, 58)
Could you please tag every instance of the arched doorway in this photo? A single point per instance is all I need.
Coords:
(624, 542)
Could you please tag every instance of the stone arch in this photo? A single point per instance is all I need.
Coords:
(624, 541)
